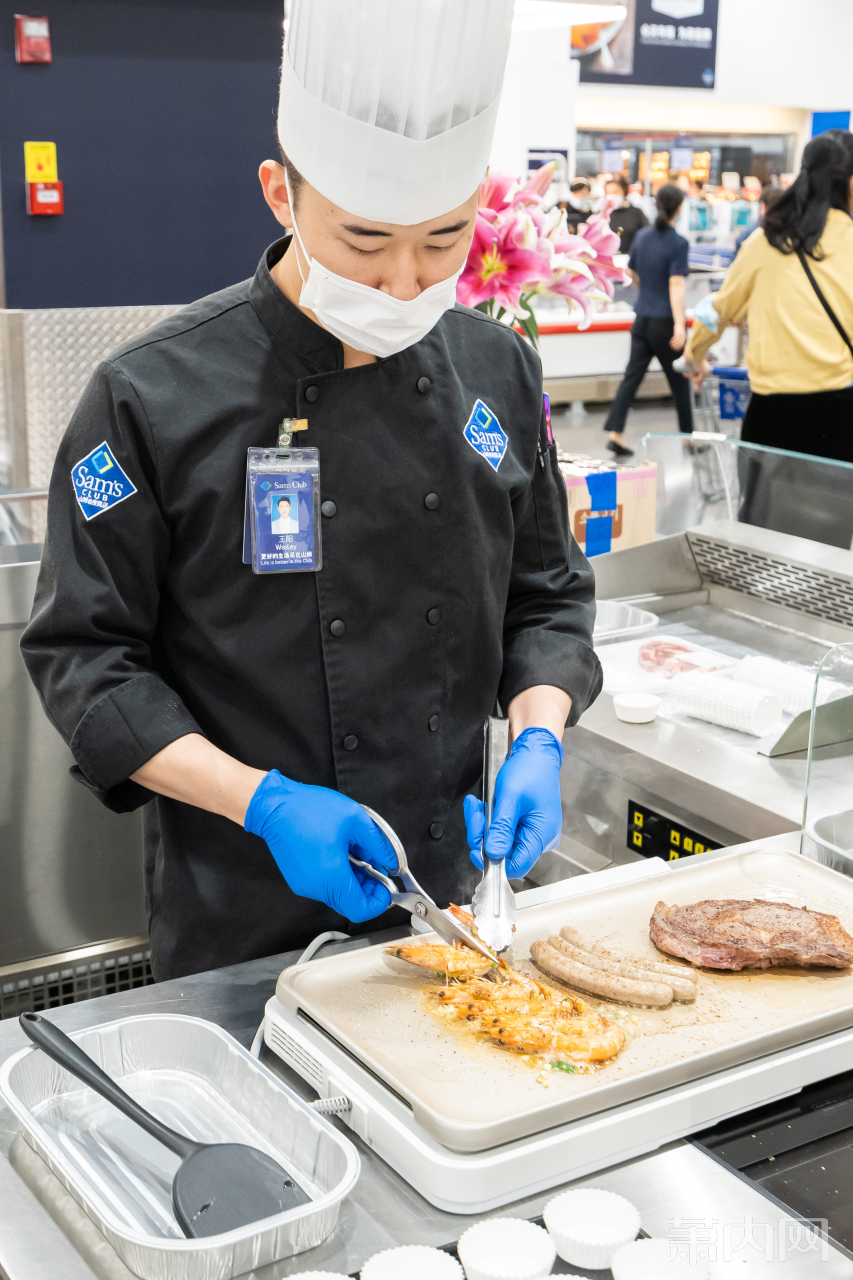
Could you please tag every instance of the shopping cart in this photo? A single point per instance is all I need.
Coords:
(724, 393)
(723, 401)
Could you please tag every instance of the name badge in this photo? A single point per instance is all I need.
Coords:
(282, 527)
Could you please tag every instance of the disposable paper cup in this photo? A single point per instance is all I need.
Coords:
(748, 708)
(793, 683)
(589, 1225)
(412, 1262)
(506, 1249)
(636, 708)
(653, 1260)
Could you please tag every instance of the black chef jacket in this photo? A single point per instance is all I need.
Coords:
(455, 582)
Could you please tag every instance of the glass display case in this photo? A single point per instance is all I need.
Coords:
(708, 477)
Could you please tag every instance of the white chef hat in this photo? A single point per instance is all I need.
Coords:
(388, 107)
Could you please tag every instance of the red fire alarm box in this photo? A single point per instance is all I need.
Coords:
(32, 39)
(45, 197)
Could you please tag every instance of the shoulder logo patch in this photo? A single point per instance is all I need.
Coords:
(485, 434)
(99, 482)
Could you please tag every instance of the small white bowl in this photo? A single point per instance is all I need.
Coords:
(506, 1249)
(636, 708)
(412, 1261)
(589, 1225)
(653, 1260)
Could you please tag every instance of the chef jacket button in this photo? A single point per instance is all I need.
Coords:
(312, 394)
(424, 386)
(350, 742)
(431, 501)
(434, 617)
(436, 831)
(434, 723)
(338, 627)
(329, 509)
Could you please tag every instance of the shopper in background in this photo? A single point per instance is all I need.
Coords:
(627, 219)
(658, 264)
(579, 205)
(794, 280)
(635, 195)
(769, 196)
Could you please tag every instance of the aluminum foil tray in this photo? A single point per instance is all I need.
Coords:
(199, 1080)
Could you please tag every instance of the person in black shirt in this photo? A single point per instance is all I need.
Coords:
(579, 205)
(627, 220)
(658, 264)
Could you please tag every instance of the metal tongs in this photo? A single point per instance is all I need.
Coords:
(493, 903)
(413, 899)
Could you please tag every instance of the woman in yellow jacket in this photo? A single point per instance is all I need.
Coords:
(793, 279)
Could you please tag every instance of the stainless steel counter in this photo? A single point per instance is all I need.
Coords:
(72, 870)
(737, 590)
(681, 1191)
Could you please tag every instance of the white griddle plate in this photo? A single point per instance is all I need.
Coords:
(471, 1097)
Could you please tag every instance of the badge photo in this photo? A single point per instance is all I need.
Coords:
(485, 434)
(99, 482)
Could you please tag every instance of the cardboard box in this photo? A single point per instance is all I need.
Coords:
(633, 520)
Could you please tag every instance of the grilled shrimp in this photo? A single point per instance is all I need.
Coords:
(534, 1019)
(592, 1039)
(456, 962)
(509, 1008)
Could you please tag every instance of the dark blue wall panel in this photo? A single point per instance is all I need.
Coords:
(161, 112)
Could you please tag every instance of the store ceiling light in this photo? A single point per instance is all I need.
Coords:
(535, 15)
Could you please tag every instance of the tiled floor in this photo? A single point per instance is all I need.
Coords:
(579, 429)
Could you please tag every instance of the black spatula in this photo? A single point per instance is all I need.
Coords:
(217, 1186)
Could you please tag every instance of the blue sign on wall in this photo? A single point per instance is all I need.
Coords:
(823, 120)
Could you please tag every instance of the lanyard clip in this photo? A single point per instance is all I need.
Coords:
(286, 429)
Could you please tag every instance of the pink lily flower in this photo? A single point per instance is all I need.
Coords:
(596, 231)
(496, 192)
(500, 266)
(536, 186)
(519, 250)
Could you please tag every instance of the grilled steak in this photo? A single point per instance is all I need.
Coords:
(750, 935)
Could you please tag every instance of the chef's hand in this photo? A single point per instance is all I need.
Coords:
(311, 831)
(528, 814)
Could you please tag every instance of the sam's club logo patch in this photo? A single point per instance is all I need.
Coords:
(485, 434)
(99, 482)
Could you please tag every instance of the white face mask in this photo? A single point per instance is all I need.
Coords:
(368, 319)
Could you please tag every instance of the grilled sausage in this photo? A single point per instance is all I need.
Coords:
(682, 988)
(656, 966)
(597, 983)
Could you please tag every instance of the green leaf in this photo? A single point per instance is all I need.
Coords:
(564, 1066)
(529, 323)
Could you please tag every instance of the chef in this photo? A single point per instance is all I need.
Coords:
(251, 713)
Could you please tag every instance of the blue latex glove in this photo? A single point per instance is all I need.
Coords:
(528, 815)
(311, 832)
